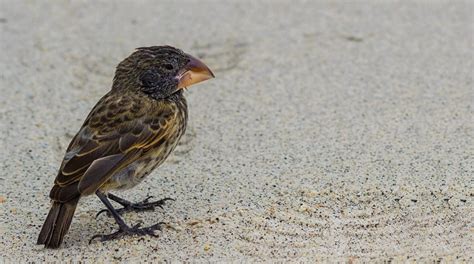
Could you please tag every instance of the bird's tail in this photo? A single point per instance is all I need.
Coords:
(57, 223)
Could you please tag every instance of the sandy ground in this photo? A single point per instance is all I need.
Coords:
(333, 131)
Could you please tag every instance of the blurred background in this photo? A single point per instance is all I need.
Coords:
(334, 130)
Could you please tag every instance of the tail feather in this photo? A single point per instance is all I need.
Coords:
(57, 223)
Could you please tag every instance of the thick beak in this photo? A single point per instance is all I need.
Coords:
(193, 72)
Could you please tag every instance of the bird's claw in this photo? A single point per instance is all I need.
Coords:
(130, 231)
(102, 211)
(146, 199)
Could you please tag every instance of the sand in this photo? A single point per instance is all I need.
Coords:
(334, 131)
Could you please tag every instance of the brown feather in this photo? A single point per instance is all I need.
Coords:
(57, 223)
(98, 172)
(101, 144)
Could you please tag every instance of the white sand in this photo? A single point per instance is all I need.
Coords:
(333, 131)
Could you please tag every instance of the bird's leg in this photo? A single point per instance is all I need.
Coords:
(136, 207)
(124, 229)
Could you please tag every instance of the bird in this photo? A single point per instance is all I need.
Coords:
(129, 132)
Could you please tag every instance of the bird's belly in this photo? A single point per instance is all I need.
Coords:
(134, 173)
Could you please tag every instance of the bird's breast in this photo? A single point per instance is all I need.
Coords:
(155, 155)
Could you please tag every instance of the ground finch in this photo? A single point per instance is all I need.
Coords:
(129, 132)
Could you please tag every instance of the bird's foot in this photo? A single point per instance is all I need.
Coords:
(129, 231)
(144, 205)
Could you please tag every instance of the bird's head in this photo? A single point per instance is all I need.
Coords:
(159, 71)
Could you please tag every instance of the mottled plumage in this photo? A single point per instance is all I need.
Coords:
(130, 131)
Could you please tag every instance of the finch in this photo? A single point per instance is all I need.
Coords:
(128, 133)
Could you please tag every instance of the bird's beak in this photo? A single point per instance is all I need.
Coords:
(193, 72)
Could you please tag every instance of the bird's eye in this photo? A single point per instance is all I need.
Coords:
(149, 79)
(168, 66)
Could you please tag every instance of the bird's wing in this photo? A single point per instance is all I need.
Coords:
(116, 133)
